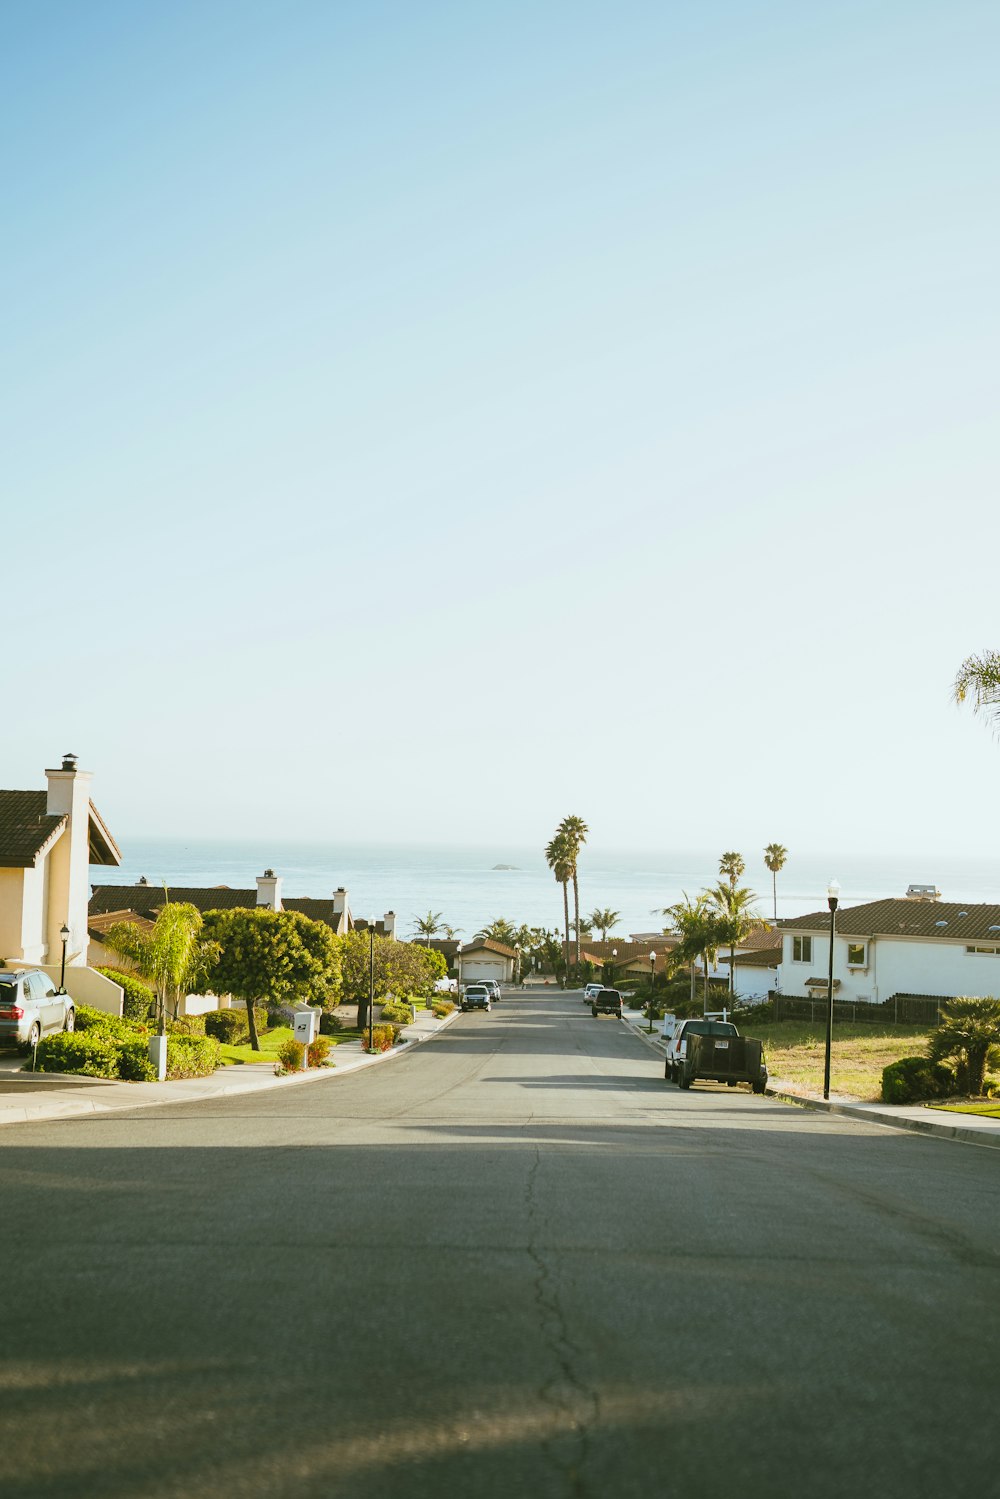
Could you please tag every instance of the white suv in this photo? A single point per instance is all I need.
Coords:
(31, 1006)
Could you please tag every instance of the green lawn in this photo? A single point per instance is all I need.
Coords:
(270, 1042)
(795, 1052)
(991, 1108)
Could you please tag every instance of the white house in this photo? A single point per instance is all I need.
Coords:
(485, 959)
(910, 946)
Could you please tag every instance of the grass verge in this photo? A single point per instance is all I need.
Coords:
(270, 1042)
(990, 1109)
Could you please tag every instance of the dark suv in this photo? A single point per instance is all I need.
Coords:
(476, 997)
(606, 1002)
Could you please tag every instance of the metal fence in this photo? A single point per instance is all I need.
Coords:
(901, 1009)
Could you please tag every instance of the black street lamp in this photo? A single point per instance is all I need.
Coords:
(614, 955)
(65, 934)
(832, 899)
(652, 982)
(371, 982)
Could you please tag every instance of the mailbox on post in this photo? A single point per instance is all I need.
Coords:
(306, 1027)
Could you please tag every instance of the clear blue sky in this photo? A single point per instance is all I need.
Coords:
(622, 376)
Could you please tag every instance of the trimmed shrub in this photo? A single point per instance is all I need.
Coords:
(290, 1054)
(913, 1079)
(442, 1007)
(231, 1026)
(383, 1037)
(319, 1051)
(398, 1010)
(139, 998)
(86, 1052)
(101, 1023)
(134, 1062)
(186, 1025)
(330, 1024)
(192, 1056)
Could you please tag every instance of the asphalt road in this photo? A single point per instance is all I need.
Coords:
(512, 1262)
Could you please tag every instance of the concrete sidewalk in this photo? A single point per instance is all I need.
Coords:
(27, 1096)
(968, 1129)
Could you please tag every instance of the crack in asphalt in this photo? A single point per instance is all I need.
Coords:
(569, 1397)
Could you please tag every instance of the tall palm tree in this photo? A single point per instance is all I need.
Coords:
(429, 925)
(559, 857)
(774, 857)
(575, 831)
(500, 930)
(737, 916)
(732, 867)
(979, 678)
(603, 921)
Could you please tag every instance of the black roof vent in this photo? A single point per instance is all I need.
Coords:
(69, 761)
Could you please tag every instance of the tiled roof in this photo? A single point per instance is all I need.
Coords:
(764, 957)
(99, 926)
(146, 900)
(478, 944)
(25, 827)
(763, 936)
(820, 983)
(952, 921)
(600, 952)
(446, 945)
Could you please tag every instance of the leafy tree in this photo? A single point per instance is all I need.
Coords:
(273, 955)
(558, 856)
(172, 956)
(774, 857)
(978, 677)
(969, 1031)
(573, 830)
(399, 968)
(736, 917)
(429, 925)
(604, 921)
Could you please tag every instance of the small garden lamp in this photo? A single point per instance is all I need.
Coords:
(832, 900)
(64, 933)
(652, 982)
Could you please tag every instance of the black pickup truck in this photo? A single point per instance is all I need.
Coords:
(715, 1050)
(606, 1002)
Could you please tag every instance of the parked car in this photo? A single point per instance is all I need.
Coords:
(494, 987)
(31, 1007)
(607, 1002)
(476, 997)
(590, 991)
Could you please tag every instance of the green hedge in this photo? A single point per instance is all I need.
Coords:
(399, 1010)
(139, 997)
(96, 1054)
(101, 1023)
(186, 1025)
(914, 1079)
(191, 1056)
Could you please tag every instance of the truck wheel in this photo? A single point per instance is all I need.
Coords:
(593, 1011)
(666, 1072)
(759, 1085)
(685, 1080)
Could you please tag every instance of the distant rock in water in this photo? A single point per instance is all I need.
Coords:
(505, 866)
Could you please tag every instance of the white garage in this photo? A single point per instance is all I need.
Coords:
(485, 959)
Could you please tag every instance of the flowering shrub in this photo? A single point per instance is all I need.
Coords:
(382, 1038)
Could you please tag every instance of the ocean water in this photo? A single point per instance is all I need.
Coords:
(468, 890)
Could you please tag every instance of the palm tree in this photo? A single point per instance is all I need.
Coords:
(558, 856)
(575, 831)
(732, 867)
(969, 1030)
(774, 857)
(737, 916)
(979, 678)
(500, 930)
(429, 925)
(583, 928)
(451, 932)
(168, 955)
(699, 933)
(603, 921)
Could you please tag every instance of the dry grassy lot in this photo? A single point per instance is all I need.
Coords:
(795, 1048)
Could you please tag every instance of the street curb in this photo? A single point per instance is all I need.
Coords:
(865, 1114)
(859, 1113)
(74, 1108)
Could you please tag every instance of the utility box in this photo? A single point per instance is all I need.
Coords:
(306, 1024)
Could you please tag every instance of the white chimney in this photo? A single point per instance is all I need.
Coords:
(390, 924)
(340, 910)
(269, 890)
(69, 881)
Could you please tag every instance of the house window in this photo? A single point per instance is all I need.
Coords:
(802, 949)
(856, 955)
(983, 949)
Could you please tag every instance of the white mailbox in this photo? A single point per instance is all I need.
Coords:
(306, 1022)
